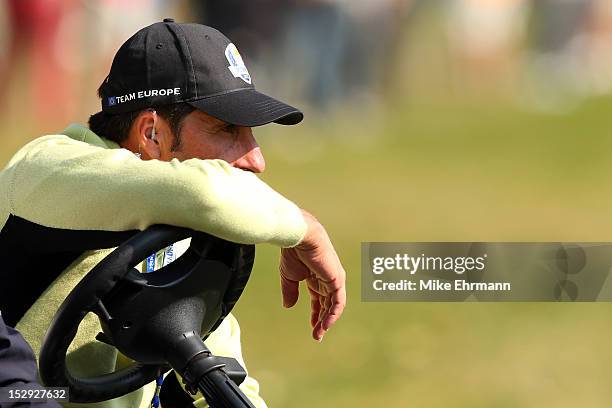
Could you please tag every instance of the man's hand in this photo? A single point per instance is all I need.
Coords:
(315, 261)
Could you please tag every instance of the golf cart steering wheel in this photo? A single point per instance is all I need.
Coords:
(158, 319)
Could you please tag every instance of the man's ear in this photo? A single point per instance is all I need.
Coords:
(148, 146)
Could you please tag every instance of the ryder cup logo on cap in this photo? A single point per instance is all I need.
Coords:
(236, 67)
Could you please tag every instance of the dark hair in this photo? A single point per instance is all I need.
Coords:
(116, 127)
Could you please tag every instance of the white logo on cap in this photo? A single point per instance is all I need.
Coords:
(236, 67)
(116, 100)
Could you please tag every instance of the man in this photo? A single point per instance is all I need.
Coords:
(172, 145)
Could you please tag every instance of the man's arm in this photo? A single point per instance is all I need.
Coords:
(58, 182)
(62, 183)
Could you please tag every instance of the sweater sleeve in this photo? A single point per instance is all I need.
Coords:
(59, 182)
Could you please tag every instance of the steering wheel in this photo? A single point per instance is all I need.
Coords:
(146, 315)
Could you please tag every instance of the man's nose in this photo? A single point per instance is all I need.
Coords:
(252, 159)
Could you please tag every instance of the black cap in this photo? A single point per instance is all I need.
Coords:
(168, 62)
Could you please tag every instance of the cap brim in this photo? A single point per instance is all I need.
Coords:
(247, 107)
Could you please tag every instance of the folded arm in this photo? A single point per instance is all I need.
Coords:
(59, 182)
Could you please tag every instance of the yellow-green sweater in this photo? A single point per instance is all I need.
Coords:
(79, 181)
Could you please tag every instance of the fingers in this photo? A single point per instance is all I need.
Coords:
(326, 307)
(323, 308)
(337, 304)
(330, 311)
(315, 307)
(316, 261)
(290, 291)
(318, 332)
(292, 271)
(334, 300)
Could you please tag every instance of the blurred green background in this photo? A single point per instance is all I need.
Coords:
(481, 121)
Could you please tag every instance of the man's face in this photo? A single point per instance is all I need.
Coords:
(206, 137)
